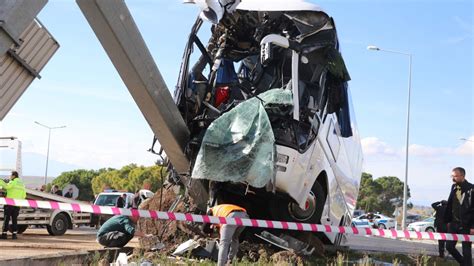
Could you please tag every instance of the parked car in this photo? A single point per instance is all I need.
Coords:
(109, 198)
(358, 213)
(361, 221)
(411, 218)
(378, 221)
(384, 222)
(427, 225)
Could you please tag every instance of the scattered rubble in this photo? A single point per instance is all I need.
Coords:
(169, 235)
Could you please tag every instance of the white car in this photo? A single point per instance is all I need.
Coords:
(426, 225)
(361, 221)
(379, 221)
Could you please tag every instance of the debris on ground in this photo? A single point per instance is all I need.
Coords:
(287, 242)
(170, 233)
(186, 240)
(202, 249)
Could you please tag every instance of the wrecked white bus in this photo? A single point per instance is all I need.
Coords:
(268, 108)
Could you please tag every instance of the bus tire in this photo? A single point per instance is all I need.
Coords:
(287, 210)
(59, 225)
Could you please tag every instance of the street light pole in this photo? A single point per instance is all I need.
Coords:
(405, 185)
(49, 141)
(47, 158)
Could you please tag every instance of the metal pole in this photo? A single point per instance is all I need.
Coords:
(47, 158)
(47, 153)
(405, 184)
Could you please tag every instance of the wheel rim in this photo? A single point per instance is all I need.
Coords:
(302, 215)
(59, 225)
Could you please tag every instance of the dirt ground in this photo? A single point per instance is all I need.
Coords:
(171, 234)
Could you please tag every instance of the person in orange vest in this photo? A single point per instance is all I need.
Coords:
(229, 234)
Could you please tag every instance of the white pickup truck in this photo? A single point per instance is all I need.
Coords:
(56, 221)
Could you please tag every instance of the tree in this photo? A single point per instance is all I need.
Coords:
(81, 179)
(392, 188)
(369, 192)
(375, 194)
(130, 178)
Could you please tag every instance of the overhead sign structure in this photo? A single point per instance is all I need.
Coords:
(25, 48)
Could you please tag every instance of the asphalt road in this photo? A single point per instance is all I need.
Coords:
(379, 244)
(394, 246)
(37, 242)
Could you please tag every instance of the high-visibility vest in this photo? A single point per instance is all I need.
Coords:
(15, 188)
(223, 210)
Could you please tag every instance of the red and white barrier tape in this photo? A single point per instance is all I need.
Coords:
(187, 217)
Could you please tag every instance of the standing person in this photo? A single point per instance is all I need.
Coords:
(136, 200)
(120, 203)
(56, 191)
(15, 190)
(69, 193)
(118, 231)
(440, 224)
(229, 234)
(460, 215)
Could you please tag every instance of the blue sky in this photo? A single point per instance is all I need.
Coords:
(80, 88)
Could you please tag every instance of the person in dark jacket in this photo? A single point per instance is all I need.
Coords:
(136, 200)
(118, 231)
(120, 203)
(69, 193)
(56, 191)
(460, 215)
(440, 224)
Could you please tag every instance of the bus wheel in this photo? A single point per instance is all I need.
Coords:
(287, 210)
(59, 225)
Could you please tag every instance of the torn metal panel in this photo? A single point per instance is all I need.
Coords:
(119, 35)
(22, 64)
(287, 242)
(193, 248)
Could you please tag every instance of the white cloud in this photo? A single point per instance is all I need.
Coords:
(428, 151)
(467, 148)
(374, 146)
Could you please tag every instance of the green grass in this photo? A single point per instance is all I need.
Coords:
(332, 259)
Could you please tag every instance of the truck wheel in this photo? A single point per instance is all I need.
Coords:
(287, 210)
(21, 228)
(59, 225)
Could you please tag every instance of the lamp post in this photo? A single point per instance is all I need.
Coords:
(467, 139)
(405, 186)
(47, 154)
